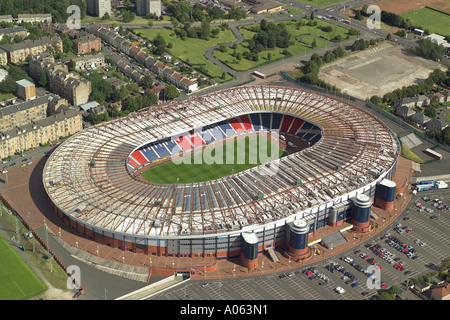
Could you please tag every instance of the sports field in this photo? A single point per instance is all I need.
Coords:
(434, 21)
(17, 280)
(213, 163)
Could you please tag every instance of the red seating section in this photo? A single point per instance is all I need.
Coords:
(295, 126)
(236, 125)
(287, 120)
(246, 122)
(139, 157)
(184, 143)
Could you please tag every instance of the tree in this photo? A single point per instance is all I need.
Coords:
(311, 17)
(147, 81)
(171, 92)
(42, 79)
(128, 16)
(314, 43)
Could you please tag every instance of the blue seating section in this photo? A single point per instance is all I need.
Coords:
(266, 117)
(218, 131)
(226, 128)
(276, 121)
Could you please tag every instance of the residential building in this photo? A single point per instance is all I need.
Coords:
(141, 56)
(31, 134)
(446, 95)
(98, 8)
(3, 57)
(441, 293)
(19, 52)
(67, 84)
(422, 101)
(126, 69)
(19, 114)
(145, 7)
(420, 119)
(84, 42)
(34, 18)
(14, 31)
(7, 18)
(89, 62)
(404, 111)
(436, 124)
(3, 74)
(26, 90)
(441, 97)
(408, 101)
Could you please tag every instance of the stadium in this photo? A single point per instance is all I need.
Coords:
(341, 165)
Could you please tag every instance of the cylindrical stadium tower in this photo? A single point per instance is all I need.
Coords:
(361, 213)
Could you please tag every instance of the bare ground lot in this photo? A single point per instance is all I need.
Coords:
(377, 70)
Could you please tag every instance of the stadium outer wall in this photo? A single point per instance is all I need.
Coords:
(221, 246)
(225, 245)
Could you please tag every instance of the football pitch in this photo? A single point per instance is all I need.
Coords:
(17, 280)
(216, 162)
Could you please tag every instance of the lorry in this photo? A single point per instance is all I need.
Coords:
(431, 185)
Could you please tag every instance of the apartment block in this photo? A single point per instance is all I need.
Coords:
(34, 18)
(84, 42)
(19, 52)
(89, 62)
(31, 134)
(20, 114)
(98, 8)
(68, 85)
(145, 7)
(26, 90)
(12, 32)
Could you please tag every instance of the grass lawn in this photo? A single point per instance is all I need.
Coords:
(192, 51)
(17, 280)
(432, 20)
(197, 169)
(6, 96)
(298, 48)
(408, 154)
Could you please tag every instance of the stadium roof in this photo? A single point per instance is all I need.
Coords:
(355, 150)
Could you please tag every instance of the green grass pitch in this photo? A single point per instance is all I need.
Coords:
(213, 164)
(17, 280)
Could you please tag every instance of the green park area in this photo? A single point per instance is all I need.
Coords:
(192, 50)
(302, 37)
(432, 20)
(214, 162)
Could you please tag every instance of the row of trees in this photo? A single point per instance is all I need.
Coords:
(183, 12)
(430, 50)
(436, 78)
(15, 73)
(311, 68)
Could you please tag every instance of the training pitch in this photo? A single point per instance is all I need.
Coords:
(17, 280)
